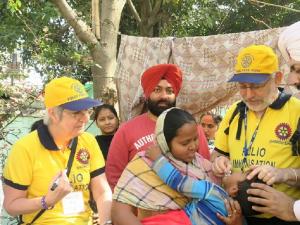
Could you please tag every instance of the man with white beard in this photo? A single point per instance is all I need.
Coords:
(259, 133)
(276, 202)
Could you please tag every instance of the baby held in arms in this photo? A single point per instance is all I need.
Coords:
(235, 184)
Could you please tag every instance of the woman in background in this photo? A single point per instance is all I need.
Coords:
(210, 123)
(107, 121)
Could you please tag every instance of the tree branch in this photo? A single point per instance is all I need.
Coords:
(82, 30)
(260, 21)
(134, 12)
(96, 18)
(219, 28)
(273, 5)
(154, 19)
(148, 6)
(156, 7)
(2, 129)
(27, 26)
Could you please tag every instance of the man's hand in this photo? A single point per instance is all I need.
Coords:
(221, 166)
(272, 201)
(267, 174)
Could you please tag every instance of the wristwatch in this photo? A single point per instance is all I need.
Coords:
(107, 222)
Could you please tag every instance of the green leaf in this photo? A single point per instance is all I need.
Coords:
(14, 5)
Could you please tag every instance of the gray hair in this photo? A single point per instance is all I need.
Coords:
(58, 110)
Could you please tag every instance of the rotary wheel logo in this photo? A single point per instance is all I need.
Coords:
(283, 131)
(78, 88)
(246, 61)
(83, 156)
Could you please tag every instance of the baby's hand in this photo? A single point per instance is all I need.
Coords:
(153, 152)
(234, 210)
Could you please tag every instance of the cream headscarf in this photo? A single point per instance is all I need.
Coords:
(289, 43)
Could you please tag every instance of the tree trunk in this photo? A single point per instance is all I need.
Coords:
(151, 15)
(103, 50)
(105, 53)
(146, 29)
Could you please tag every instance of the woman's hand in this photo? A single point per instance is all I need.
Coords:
(235, 216)
(59, 189)
(153, 152)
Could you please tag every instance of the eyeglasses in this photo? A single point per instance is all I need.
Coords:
(253, 87)
(79, 114)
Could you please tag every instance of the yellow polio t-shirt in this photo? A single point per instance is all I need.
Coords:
(35, 159)
(271, 145)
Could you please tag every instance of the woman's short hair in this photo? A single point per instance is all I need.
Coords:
(58, 109)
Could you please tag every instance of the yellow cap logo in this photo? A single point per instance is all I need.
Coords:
(246, 61)
(63, 90)
(256, 59)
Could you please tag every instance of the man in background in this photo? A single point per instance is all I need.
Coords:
(289, 46)
(161, 85)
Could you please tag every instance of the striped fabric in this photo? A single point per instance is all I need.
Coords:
(207, 198)
(139, 186)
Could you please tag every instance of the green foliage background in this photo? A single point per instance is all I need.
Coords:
(47, 42)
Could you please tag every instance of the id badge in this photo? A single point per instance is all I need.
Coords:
(73, 203)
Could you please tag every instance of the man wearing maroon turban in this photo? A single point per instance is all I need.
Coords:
(169, 72)
(161, 85)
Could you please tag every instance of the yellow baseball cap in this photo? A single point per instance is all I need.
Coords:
(255, 64)
(69, 94)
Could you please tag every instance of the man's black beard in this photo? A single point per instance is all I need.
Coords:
(155, 109)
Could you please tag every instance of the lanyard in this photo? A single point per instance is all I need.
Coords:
(248, 147)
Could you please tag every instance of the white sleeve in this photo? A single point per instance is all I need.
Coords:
(297, 209)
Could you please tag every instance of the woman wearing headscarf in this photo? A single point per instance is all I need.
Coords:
(151, 200)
